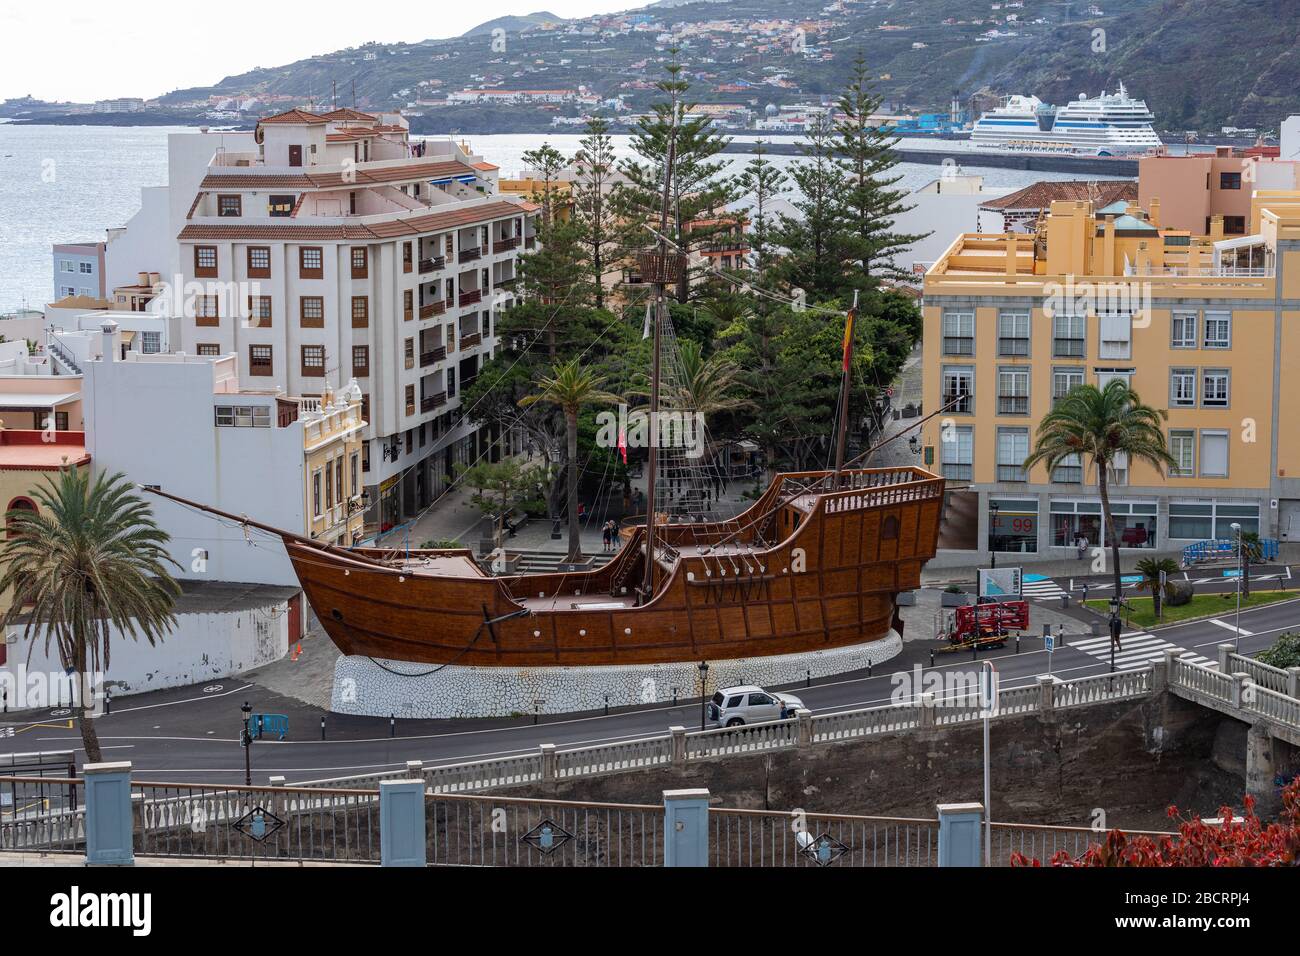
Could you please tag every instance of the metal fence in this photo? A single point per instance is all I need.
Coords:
(765, 838)
(463, 830)
(1041, 843)
(254, 823)
(42, 814)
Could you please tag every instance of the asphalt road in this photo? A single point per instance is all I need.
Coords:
(191, 735)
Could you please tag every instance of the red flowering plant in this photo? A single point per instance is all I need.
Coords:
(1236, 841)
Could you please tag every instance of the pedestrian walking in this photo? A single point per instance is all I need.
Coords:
(604, 536)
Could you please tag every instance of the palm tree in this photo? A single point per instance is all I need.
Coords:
(1252, 549)
(1150, 569)
(89, 561)
(708, 384)
(569, 387)
(1098, 425)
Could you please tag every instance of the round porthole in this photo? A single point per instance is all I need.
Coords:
(336, 614)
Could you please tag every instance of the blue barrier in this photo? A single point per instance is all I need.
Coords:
(269, 724)
(1225, 549)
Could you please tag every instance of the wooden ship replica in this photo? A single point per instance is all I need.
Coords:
(815, 563)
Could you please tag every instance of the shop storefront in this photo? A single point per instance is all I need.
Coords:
(1013, 525)
(1080, 522)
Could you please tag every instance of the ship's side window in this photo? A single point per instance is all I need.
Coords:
(889, 529)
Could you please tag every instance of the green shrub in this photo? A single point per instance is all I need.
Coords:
(1285, 651)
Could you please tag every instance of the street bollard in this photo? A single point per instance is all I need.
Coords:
(1017, 643)
(322, 727)
(807, 678)
(607, 705)
(932, 657)
(392, 725)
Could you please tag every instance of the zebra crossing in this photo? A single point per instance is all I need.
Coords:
(1040, 588)
(1137, 649)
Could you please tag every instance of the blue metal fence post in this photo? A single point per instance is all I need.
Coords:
(401, 823)
(686, 828)
(109, 829)
(959, 834)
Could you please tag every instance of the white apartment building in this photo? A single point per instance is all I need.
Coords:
(324, 248)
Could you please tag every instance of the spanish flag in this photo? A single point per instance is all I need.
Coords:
(848, 336)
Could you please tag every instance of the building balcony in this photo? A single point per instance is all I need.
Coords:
(431, 309)
(429, 265)
(505, 245)
(429, 402)
(470, 297)
(469, 340)
(432, 357)
(530, 242)
(470, 254)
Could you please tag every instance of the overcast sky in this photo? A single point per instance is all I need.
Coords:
(85, 50)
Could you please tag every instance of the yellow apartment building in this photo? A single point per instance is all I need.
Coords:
(1207, 327)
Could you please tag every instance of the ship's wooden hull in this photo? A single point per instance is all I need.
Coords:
(829, 580)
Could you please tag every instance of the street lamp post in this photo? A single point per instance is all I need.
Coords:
(247, 711)
(704, 695)
(989, 690)
(993, 531)
(1236, 529)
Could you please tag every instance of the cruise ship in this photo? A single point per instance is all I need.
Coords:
(1112, 124)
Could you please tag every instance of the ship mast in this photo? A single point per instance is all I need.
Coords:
(661, 274)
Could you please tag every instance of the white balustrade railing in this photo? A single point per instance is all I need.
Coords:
(745, 739)
(484, 774)
(1104, 687)
(1275, 706)
(863, 723)
(1265, 675)
(1202, 680)
(611, 758)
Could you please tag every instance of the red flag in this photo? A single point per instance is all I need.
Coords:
(848, 337)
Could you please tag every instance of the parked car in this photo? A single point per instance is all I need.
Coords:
(747, 704)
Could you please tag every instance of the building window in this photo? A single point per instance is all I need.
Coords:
(259, 262)
(1182, 445)
(958, 449)
(205, 262)
(207, 310)
(1135, 523)
(408, 305)
(259, 311)
(1013, 449)
(1234, 225)
(260, 360)
(410, 440)
(1229, 180)
(313, 361)
(209, 348)
(408, 349)
(280, 207)
(360, 312)
(1068, 336)
(1069, 470)
(311, 311)
(1245, 515)
(1115, 336)
(958, 389)
(1183, 330)
(1074, 522)
(410, 399)
(86, 268)
(361, 360)
(338, 481)
(360, 263)
(1191, 520)
(1214, 388)
(365, 456)
(1214, 454)
(356, 475)
(230, 206)
(1013, 333)
(315, 493)
(958, 333)
(243, 416)
(1015, 528)
(1218, 330)
(407, 257)
(1182, 388)
(1064, 381)
(1013, 391)
(311, 262)
(150, 343)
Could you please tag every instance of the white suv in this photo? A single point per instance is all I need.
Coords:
(747, 704)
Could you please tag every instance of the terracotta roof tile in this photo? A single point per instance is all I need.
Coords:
(256, 181)
(1041, 195)
(347, 113)
(294, 118)
(485, 166)
(389, 229)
